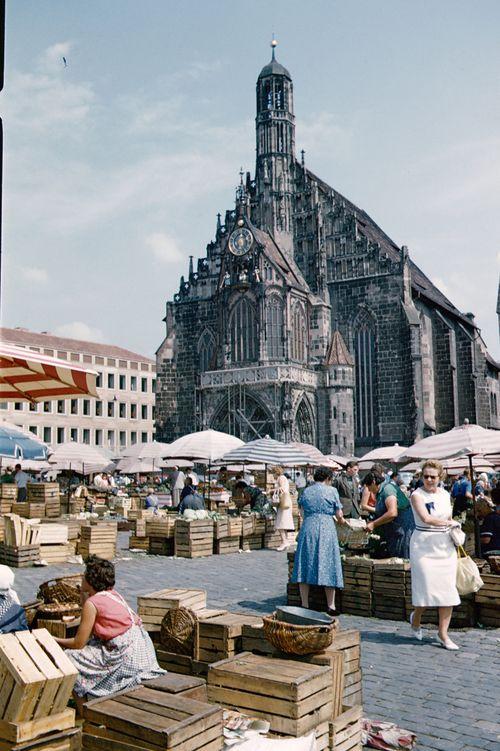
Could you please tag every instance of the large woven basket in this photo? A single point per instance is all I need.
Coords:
(298, 640)
(64, 589)
(177, 631)
(58, 610)
(352, 538)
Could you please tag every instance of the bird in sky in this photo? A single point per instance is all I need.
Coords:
(65, 62)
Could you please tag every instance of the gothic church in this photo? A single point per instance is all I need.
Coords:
(305, 321)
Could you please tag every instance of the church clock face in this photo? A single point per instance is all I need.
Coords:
(240, 241)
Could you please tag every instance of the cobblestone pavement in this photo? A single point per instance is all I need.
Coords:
(450, 699)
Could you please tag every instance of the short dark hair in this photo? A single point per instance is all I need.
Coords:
(322, 473)
(100, 574)
(373, 478)
(241, 485)
(188, 480)
(352, 463)
(18, 466)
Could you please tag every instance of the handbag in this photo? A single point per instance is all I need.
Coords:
(457, 536)
(468, 578)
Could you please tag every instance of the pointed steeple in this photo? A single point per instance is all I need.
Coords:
(337, 352)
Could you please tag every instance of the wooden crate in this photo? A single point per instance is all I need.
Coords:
(98, 539)
(272, 540)
(53, 508)
(52, 554)
(253, 639)
(227, 545)
(29, 510)
(252, 542)
(58, 628)
(22, 556)
(64, 740)
(488, 601)
(161, 546)
(161, 527)
(39, 492)
(221, 529)
(234, 526)
(194, 539)
(153, 606)
(345, 731)
(8, 492)
(37, 680)
(295, 697)
(138, 543)
(248, 525)
(389, 589)
(190, 686)
(146, 718)
(140, 528)
(219, 637)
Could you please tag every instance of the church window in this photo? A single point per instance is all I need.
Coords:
(206, 348)
(274, 328)
(243, 332)
(304, 425)
(335, 413)
(493, 405)
(364, 350)
(298, 333)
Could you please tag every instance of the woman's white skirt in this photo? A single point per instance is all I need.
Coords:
(284, 520)
(433, 560)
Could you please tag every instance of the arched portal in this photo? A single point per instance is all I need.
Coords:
(243, 415)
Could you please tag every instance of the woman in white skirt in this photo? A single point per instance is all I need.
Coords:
(281, 497)
(433, 556)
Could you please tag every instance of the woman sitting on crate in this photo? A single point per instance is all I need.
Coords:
(12, 615)
(111, 649)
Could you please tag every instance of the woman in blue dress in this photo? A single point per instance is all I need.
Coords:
(394, 519)
(317, 560)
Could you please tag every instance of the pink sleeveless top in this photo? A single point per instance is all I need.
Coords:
(114, 616)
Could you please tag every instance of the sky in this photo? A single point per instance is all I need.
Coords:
(116, 164)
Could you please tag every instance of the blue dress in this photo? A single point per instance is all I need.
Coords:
(317, 560)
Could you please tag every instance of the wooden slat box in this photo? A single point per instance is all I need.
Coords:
(181, 685)
(227, 545)
(29, 510)
(252, 542)
(164, 527)
(58, 628)
(161, 546)
(19, 557)
(295, 697)
(8, 492)
(234, 526)
(488, 600)
(220, 637)
(54, 553)
(36, 682)
(194, 539)
(153, 606)
(145, 718)
(65, 740)
(272, 540)
(345, 731)
(139, 543)
(43, 491)
(248, 525)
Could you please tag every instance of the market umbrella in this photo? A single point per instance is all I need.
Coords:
(205, 446)
(80, 458)
(479, 464)
(17, 444)
(341, 460)
(30, 376)
(149, 450)
(389, 454)
(131, 465)
(317, 458)
(267, 451)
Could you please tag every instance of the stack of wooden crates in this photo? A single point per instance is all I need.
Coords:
(8, 496)
(21, 545)
(36, 680)
(194, 538)
(98, 539)
(43, 500)
(160, 534)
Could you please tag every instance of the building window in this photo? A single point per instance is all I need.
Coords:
(98, 437)
(144, 437)
(18, 405)
(364, 351)
(33, 429)
(206, 348)
(60, 435)
(111, 438)
(122, 382)
(133, 383)
(133, 411)
(153, 385)
(274, 328)
(123, 439)
(73, 408)
(98, 409)
(304, 423)
(123, 410)
(133, 438)
(98, 380)
(47, 435)
(344, 417)
(298, 333)
(33, 407)
(243, 332)
(144, 385)
(47, 406)
(61, 409)
(73, 434)
(86, 406)
(335, 413)
(144, 412)
(86, 435)
(111, 409)
(153, 412)
(111, 381)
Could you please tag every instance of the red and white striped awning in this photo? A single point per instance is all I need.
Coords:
(30, 376)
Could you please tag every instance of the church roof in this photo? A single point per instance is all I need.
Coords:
(281, 260)
(274, 68)
(337, 353)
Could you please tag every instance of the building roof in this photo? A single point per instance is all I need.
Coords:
(282, 260)
(46, 340)
(274, 68)
(337, 352)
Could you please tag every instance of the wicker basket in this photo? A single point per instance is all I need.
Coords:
(64, 589)
(31, 609)
(56, 611)
(178, 631)
(298, 640)
(352, 537)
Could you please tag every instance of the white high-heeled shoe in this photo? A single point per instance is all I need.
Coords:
(448, 644)
(417, 632)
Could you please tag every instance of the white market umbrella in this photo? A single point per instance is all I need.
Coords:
(131, 465)
(79, 457)
(317, 457)
(341, 460)
(389, 454)
(205, 446)
(267, 451)
(33, 377)
(149, 450)
(17, 444)
(479, 464)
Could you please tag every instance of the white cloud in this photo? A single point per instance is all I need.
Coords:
(79, 330)
(34, 274)
(164, 248)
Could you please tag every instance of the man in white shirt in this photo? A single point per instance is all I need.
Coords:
(21, 479)
(177, 483)
(101, 482)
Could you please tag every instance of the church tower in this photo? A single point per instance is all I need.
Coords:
(274, 171)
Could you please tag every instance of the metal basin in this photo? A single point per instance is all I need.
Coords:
(302, 616)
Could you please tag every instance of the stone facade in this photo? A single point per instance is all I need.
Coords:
(305, 321)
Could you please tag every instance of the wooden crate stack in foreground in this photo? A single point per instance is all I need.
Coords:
(389, 589)
(37, 681)
(345, 731)
(227, 536)
(153, 606)
(194, 538)
(98, 539)
(488, 601)
(295, 697)
(220, 637)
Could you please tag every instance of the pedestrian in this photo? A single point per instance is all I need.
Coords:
(281, 498)
(482, 486)
(258, 500)
(22, 480)
(152, 501)
(461, 493)
(393, 516)
(317, 559)
(490, 532)
(347, 485)
(192, 500)
(176, 484)
(188, 488)
(433, 555)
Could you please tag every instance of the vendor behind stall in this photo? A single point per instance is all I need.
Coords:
(256, 497)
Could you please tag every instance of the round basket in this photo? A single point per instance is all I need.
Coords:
(178, 630)
(31, 609)
(298, 640)
(57, 610)
(64, 589)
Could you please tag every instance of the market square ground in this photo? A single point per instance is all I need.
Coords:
(449, 699)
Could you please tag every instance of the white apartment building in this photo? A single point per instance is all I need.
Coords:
(121, 416)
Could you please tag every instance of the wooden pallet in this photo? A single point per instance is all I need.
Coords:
(295, 697)
(37, 680)
(145, 718)
(219, 637)
(19, 557)
(194, 539)
(153, 606)
(345, 731)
